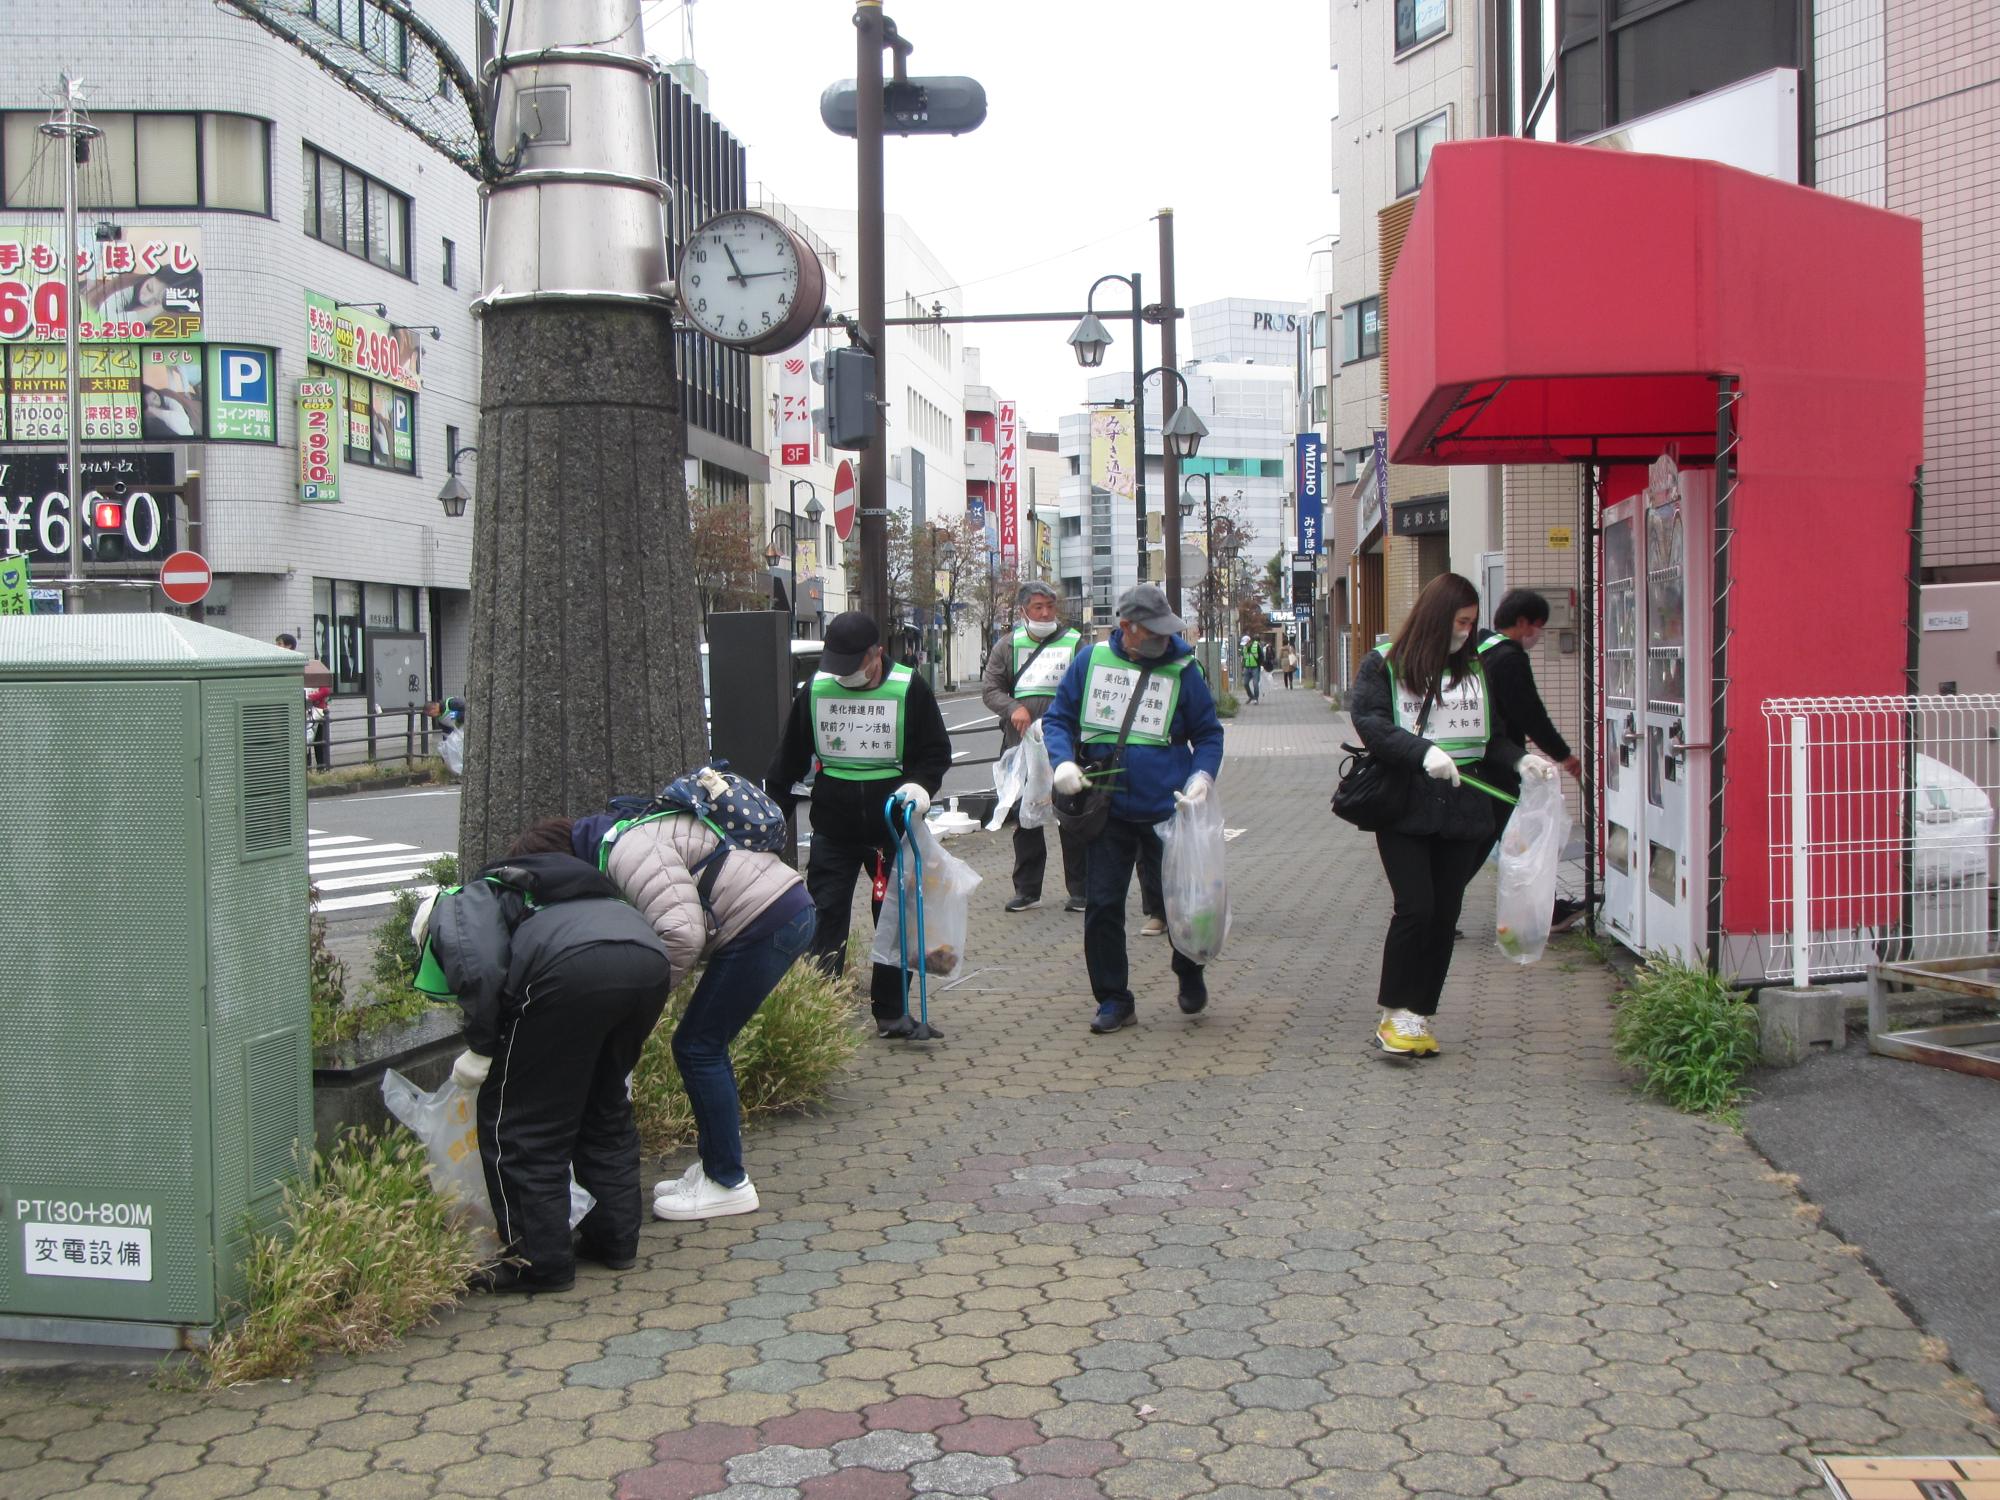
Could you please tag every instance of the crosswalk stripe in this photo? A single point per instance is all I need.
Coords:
(370, 877)
(372, 898)
(327, 840)
(341, 862)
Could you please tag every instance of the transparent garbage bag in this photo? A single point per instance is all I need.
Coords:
(447, 1122)
(1038, 783)
(1009, 777)
(1531, 848)
(948, 883)
(1194, 878)
(452, 750)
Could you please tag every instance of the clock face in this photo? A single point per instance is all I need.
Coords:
(748, 281)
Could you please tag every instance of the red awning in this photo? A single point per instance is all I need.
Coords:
(1551, 302)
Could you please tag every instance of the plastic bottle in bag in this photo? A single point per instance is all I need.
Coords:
(1194, 878)
(948, 883)
(1531, 848)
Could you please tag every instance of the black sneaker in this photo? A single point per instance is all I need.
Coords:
(1022, 903)
(516, 1279)
(902, 1028)
(1112, 1017)
(1076, 903)
(1194, 995)
(598, 1254)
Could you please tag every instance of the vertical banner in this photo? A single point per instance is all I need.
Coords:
(795, 422)
(15, 576)
(1007, 470)
(319, 443)
(1310, 467)
(1111, 452)
(1382, 470)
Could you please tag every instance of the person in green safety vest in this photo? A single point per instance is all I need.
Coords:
(1253, 666)
(1421, 704)
(866, 731)
(1023, 671)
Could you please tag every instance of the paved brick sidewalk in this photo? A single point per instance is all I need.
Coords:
(1236, 1256)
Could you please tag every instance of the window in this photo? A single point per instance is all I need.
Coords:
(381, 426)
(1628, 58)
(1351, 460)
(367, 27)
(143, 161)
(1413, 150)
(344, 612)
(1319, 330)
(1076, 463)
(1360, 330)
(1319, 403)
(450, 274)
(1419, 21)
(450, 448)
(351, 211)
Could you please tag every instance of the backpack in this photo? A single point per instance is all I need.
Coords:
(739, 813)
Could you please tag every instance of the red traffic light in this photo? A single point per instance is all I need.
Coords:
(108, 515)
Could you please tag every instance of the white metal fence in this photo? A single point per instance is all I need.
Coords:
(1881, 830)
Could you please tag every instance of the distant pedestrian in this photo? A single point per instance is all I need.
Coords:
(1288, 664)
(1253, 665)
(1421, 704)
(318, 730)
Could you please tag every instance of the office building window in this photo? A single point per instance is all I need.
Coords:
(352, 211)
(1413, 150)
(1319, 330)
(1361, 330)
(381, 425)
(161, 160)
(379, 37)
(1618, 60)
(1351, 460)
(1419, 21)
(1319, 403)
(450, 272)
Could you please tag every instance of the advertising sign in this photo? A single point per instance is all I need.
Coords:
(1111, 451)
(1007, 472)
(795, 418)
(319, 442)
(15, 576)
(172, 393)
(35, 509)
(1311, 468)
(107, 392)
(145, 286)
(1429, 516)
(350, 339)
(240, 395)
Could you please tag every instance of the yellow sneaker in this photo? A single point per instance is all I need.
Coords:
(1404, 1033)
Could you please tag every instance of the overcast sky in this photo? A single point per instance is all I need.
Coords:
(1099, 113)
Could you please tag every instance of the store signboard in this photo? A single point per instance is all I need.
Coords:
(318, 404)
(1311, 471)
(349, 339)
(145, 285)
(242, 404)
(1007, 469)
(35, 509)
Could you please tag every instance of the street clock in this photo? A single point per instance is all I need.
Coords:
(748, 281)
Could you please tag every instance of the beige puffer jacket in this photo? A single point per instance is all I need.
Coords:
(650, 862)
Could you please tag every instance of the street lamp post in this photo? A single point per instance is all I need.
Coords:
(1090, 338)
(814, 510)
(1208, 546)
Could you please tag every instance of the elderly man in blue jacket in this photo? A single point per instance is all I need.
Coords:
(1172, 752)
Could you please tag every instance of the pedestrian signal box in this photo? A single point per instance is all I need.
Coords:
(154, 1027)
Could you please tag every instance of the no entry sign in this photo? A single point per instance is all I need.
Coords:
(185, 577)
(843, 500)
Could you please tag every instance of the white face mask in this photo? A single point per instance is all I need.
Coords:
(854, 679)
(1041, 630)
(1459, 638)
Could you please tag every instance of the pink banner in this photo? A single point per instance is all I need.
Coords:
(1007, 472)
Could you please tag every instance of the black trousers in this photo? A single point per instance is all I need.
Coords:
(1031, 859)
(830, 872)
(1428, 877)
(1112, 856)
(556, 1098)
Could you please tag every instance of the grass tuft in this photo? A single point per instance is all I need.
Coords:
(1226, 704)
(1691, 1036)
(365, 1251)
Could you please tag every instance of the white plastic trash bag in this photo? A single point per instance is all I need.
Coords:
(1038, 780)
(1008, 780)
(1195, 880)
(447, 1122)
(1531, 848)
(452, 749)
(948, 883)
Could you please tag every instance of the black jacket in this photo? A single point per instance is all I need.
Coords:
(851, 811)
(1436, 809)
(1510, 676)
(495, 937)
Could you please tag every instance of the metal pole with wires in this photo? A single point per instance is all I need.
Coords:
(69, 126)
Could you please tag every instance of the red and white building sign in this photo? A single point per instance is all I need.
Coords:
(1007, 476)
(795, 421)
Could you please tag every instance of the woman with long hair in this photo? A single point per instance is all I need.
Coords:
(1421, 706)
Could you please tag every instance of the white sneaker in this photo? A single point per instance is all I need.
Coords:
(1153, 927)
(680, 1184)
(695, 1197)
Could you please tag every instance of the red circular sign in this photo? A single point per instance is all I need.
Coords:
(185, 577)
(843, 500)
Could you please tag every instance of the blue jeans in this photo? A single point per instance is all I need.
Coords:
(738, 979)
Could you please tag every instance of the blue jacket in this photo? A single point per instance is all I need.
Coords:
(1153, 773)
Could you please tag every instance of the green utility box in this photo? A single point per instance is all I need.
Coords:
(155, 1058)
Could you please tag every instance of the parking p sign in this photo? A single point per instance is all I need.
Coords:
(242, 407)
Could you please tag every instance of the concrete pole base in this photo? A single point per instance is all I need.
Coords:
(1793, 1024)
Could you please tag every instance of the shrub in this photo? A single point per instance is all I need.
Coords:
(1691, 1036)
(365, 1251)
(390, 1000)
(329, 976)
(785, 1057)
(1225, 704)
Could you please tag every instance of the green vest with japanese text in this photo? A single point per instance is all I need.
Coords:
(1108, 681)
(857, 733)
(1459, 723)
(1046, 675)
(1250, 658)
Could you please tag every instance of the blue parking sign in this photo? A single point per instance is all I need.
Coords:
(239, 384)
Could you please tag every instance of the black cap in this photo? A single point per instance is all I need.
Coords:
(848, 640)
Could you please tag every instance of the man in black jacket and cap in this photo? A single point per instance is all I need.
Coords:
(874, 732)
(1518, 622)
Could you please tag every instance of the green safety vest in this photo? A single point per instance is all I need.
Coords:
(429, 978)
(1108, 681)
(1049, 666)
(857, 733)
(1250, 658)
(1459, 723)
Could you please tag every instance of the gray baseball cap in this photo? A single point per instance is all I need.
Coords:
(1146, 604)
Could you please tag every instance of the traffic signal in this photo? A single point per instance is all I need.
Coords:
(848, 418)
(108, 515)
(915, 106)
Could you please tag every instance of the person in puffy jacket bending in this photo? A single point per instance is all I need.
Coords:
(1172, 755)
(560, 982)
(749, 915)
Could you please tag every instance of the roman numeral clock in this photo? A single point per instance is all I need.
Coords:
(750, 282)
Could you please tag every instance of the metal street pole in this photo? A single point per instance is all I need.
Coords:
(1170, 465)
(792, 587)
(1139, 421)
(75, 134)
(873, 500)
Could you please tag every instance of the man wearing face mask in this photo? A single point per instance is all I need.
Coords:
(1173, 750)
(874, 731)
(1023, 671)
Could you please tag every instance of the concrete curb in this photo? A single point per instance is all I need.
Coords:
(386, 784)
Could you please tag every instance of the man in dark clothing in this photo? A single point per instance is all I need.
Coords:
(1023, 671)
(873, 731)
(561, 982)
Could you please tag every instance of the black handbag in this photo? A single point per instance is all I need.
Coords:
(1085, 813)
(1372, 794)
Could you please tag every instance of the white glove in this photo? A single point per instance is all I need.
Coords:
(1067, 778)
(916, 796)
(1534, 768)
(1196, 791)
(1441, 766)
(470, 1070)
(420, 924)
